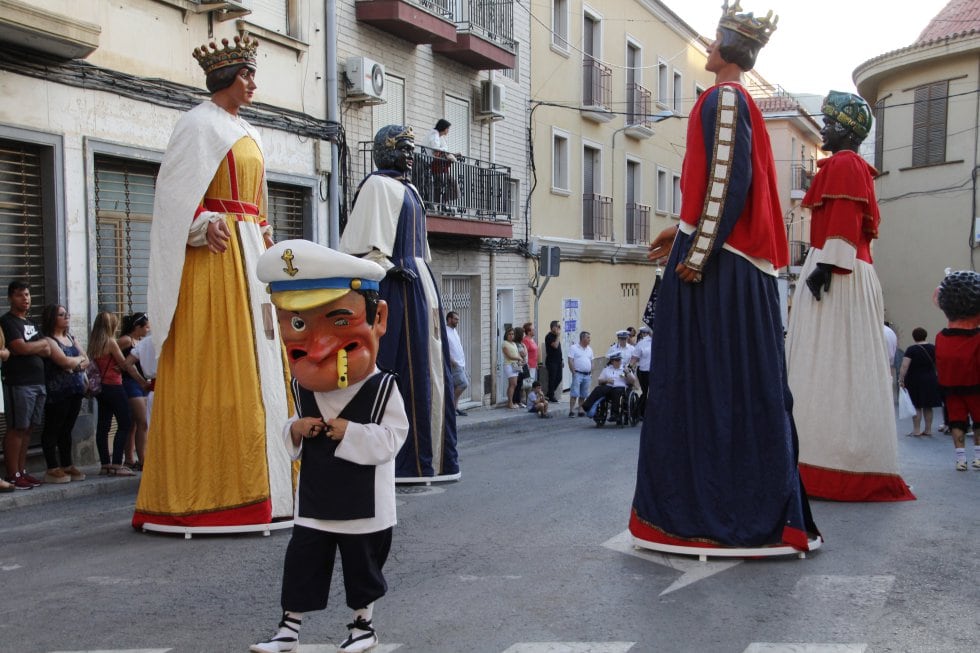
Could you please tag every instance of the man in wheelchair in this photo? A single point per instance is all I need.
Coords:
(614, 382)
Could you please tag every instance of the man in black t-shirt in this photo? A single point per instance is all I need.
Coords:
(554, 362)
(23, 383)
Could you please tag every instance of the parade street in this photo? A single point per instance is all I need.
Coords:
(528, 553)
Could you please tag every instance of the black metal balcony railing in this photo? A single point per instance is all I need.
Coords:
(596, 83)
(802, 176)
(798, 250)
(597, 217)
(442, 8)
(492, 19)
(466, 188)
(637, 224)
(639, 101)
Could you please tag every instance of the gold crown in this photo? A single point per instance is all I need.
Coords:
(242, 53)
(406, 134)
(757, 29)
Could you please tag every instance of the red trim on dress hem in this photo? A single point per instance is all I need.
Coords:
(791, 537)
(838, 485)
(256, 513)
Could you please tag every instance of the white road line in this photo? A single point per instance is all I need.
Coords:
(571, 647)
(692, 570)
(760, 647)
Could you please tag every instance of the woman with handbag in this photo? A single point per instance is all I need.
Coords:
(66, 386)
(106, 355)
(134, 328)
(918, 376)
(524, 372)
(511, 358)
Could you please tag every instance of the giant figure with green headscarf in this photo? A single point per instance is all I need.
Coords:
(838, 366)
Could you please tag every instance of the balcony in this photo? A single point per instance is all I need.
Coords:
(416, 21)
(597, 217)
(639, 102)
(802, 175)
(484, 35)
(466, 197)
(798, 249)
(596, 91)
(637, 224)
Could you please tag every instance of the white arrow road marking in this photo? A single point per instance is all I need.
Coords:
(571, 647)
(4, 567)
(692, 570)
(760, 647)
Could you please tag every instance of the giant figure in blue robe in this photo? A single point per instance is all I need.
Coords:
(387, 226)
(718, 451)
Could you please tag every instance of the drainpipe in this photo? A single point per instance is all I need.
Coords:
(332, 237)
(493, 330)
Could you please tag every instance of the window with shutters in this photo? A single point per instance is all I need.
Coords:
(457, 112)
(22, 219)
(663, 191)
(559, 161)
(392, 112)
(929, 124)
(287, 210)
(123, 209)
(559, 25)
(879, 115)
(274, 15)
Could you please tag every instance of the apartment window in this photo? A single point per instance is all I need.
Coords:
(559, 161)
(929, 124)
(675, 195)
(678, 103)
(698, 90)
(879, 115)
(559, 24)
(516, 207)
(275, 15)
(663, 191)
(663, 84)
(457, 112)
(392, 112)
(22, 217)
(124, 192)
(514, 73)
(287, 211)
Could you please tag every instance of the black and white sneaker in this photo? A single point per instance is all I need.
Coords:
(361, 638)
(286, 639)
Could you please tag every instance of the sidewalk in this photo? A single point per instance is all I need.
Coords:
(95, 484)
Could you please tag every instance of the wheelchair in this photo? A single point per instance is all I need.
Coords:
(629, 409)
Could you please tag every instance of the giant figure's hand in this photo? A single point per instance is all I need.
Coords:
(687, 275)
(819, 279)
(218, 235)
(404, 274)
(660, 247)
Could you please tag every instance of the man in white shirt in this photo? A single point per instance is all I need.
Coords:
(580, 364)
(623, 348)
(457, 360)
(891, 339)
(642, 353)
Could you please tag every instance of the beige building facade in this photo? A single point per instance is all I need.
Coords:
(926, 112)
(92, 90)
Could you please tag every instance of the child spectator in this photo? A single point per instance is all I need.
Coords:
(537, 402)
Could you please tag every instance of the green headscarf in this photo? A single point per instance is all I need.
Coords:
(849, 110)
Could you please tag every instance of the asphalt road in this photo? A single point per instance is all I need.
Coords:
(526, 554)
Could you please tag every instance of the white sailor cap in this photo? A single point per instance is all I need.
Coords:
(623, 334)
(302, 274)
(615, 356)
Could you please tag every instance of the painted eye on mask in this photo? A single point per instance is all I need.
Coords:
(297, 323)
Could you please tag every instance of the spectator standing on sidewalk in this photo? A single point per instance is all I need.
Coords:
(65, 387)
(531, 344)
(23, 383)
(642, 353)
(4, 355)
(553, 361)
(457, 360)
(580, 364)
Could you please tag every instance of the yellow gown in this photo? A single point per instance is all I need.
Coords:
(214, 452)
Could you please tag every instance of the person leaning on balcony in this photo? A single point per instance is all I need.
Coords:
(836, 348)
(447, 189)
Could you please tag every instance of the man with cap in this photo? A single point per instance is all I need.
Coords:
(623, 347)
(350, 422)
(613, 381)
(387, 226)
(839, 370)
(642, 353)
(717, 461)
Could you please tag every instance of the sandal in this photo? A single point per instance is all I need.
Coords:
(121, 470)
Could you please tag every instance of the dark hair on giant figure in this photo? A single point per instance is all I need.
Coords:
(737, 49)
(959, 295)
(222, 78)
(385, 143)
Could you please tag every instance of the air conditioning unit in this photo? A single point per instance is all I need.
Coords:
(224, 10)
(491, 99)
(368, 80)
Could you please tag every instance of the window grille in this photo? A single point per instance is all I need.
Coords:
(21, 219)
